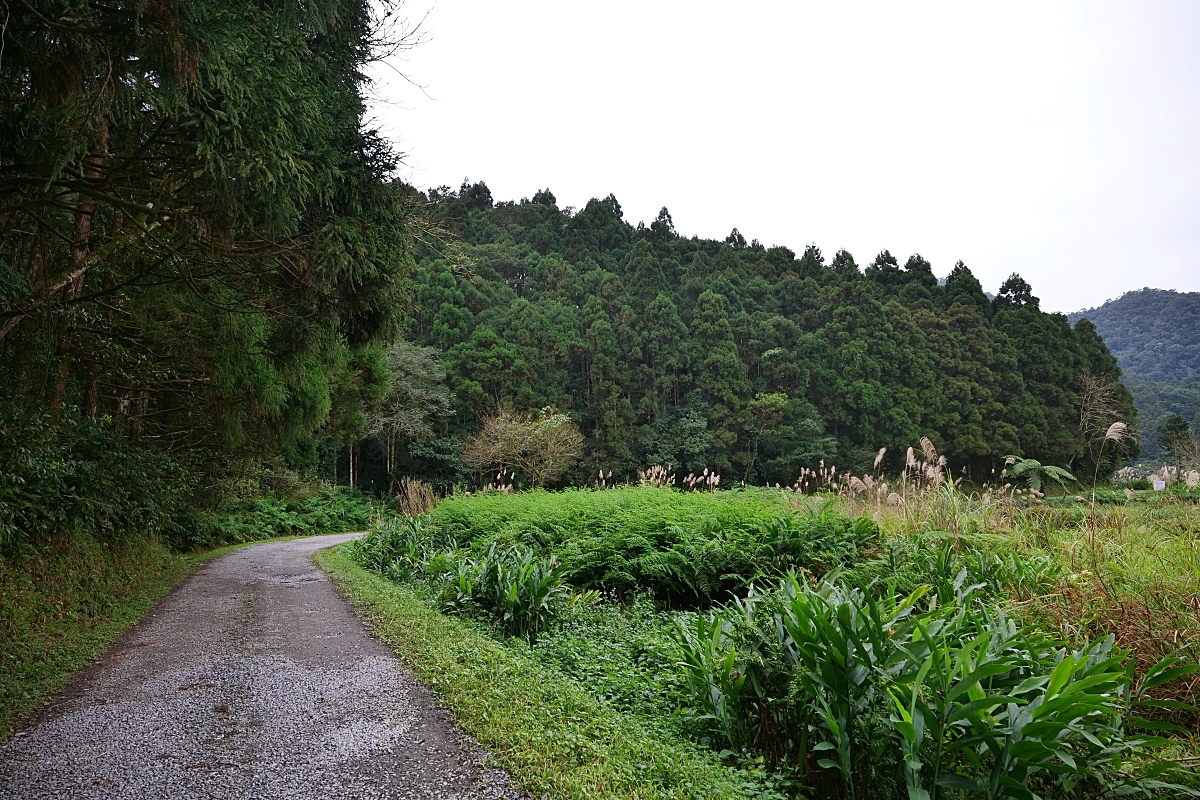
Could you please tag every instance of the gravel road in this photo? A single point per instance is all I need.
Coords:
(251, 680)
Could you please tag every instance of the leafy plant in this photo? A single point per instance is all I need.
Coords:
(1034, 473)
(523, 591)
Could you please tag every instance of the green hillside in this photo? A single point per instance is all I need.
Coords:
(755, 361)
(1155, 336)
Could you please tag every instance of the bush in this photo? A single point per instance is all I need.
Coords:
(518, 589)
(80, 478)
(329, 510)
(688, 548)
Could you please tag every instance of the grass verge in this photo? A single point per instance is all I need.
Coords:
(66, 602)
(548, 733)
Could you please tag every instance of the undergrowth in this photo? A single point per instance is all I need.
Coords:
(932, 658)
(554, 736)
(687, 548)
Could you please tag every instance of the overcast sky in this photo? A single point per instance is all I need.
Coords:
(1057, 140)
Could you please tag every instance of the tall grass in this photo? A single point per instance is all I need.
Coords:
(932, 642)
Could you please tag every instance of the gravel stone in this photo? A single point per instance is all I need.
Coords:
(253, 679)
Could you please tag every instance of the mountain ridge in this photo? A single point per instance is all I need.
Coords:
(1155, 336)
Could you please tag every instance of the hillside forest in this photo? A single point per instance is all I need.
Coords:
(749, 360)
(1155, 336)
(209, 273)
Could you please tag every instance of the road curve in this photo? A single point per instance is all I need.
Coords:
(253, 679)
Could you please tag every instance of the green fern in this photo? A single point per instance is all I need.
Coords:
(1033, 472)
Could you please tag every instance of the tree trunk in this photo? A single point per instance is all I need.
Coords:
(84, 208)
(91, 391)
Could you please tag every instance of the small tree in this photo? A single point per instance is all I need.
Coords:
(538, 447)
(417, 397)
(1174, 436)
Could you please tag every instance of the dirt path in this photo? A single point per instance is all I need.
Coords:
(251, 680)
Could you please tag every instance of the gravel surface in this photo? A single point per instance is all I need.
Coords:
(251, 680)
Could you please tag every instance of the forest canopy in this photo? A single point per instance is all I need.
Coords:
(207, 265)
(202, 249)
(751, 360)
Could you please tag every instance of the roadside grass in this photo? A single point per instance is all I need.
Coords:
(548, 732)
(1027, 591)
(65, 602)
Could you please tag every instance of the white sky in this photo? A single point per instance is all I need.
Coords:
(1057, 140)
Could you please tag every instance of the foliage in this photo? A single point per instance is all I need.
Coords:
(1152, 334)
(687, 548)
(82, 478)
(1033, 473)
(918, 665)
(520, 591)
(523, 591)
(756, 362)
(417, 397)
(201, 251)
(1174, 436)
(548, 732)
(332, 510)
(980, 705)
(537, 448)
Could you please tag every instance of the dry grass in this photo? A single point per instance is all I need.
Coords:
(415, 497)
(1132, 570)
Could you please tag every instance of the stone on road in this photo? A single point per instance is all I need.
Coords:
(253, 679)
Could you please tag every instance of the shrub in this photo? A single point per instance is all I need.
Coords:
(81, 478)
(688, 549)
(330, 510)
(977, 703)
(518, 589)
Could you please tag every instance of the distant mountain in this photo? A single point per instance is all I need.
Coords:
(1155, 335)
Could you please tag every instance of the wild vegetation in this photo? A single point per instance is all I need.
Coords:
(868, 643)
(65, 603)
(212, 291)
(730, 355)
(204, 261)
(202, 253)
(1153, 333)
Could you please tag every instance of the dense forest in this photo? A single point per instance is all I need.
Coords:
(749, 360)
(202, 252)
(1155, 336)
(209, 271)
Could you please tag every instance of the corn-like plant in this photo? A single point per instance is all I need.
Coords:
(523, 590)
(400, 547)
(460, 588)
(980, 706)
(836, 640)
(709, 658)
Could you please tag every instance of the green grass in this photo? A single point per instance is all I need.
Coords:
(553, 736)
(64, 603)
(631, 555)
(1132, 570)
